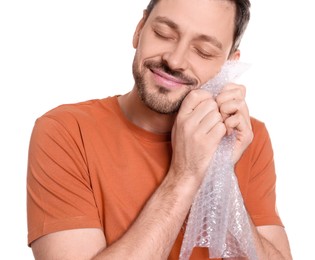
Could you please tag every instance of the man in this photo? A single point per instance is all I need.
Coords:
(115, 178)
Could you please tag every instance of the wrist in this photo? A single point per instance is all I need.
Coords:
(183, 185)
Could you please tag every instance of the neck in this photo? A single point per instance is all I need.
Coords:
(142, 116)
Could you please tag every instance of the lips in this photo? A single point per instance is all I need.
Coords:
(166, 80)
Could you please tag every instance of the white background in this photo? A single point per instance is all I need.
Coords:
(54, 52)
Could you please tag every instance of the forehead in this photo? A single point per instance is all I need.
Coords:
(208, 17)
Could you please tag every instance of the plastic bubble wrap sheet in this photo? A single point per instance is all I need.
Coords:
(218, 219)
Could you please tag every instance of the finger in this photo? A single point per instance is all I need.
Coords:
(231, 92)
(203, 109)
(237, 122)
(231, 107)
(212, 134)
(193, 99)
(233, 86)
(216, 134)
(210, 120)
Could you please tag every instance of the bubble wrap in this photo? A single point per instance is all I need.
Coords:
(218, 219)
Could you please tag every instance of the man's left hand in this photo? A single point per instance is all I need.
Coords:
(235, 114)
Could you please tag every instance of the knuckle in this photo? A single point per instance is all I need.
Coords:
(220, 128)
(211, 104)
(228, 86)
(219, 100)
(242, 89)
(217, 116)
(248, 136)
(197, 93)
(243, 107)
(223, 107)
(204, 92)
(242, 103)
(190, 98)
(192, 94)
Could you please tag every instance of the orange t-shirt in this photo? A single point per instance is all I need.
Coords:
(89, 167)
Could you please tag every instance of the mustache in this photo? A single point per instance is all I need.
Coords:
(175, 73)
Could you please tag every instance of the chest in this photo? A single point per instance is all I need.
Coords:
(125, 171)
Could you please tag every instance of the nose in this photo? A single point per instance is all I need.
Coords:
(176, 57)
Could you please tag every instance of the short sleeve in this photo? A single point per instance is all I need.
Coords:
(261, 193)
(59, 193)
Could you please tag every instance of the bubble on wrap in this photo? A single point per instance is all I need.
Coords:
(218, 219)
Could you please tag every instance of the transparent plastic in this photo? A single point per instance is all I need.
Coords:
(218, 219)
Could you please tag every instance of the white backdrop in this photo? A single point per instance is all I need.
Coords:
(54, 52)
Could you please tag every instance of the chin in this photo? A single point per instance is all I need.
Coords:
(161, 101)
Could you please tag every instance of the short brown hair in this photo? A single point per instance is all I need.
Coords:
(241, 19)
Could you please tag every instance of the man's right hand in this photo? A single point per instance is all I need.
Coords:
(197, 131)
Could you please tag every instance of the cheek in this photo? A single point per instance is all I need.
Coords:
(146, 46)
(207, 71)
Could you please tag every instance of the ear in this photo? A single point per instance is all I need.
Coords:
(136, 35)
(235, 55)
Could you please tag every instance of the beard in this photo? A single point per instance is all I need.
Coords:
(159, 101)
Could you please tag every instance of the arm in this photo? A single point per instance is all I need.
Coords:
(197, 131)
(153, 233)
(273, 243)
(86, 243)
(271, 240)
(150, 237)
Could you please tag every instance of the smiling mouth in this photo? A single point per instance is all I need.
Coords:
(169, 77)
(167, 80)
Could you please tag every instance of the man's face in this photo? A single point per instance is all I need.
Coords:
(180, 46)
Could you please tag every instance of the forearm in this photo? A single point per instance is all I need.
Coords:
(270, 252)
(275, 247)
(155, 230)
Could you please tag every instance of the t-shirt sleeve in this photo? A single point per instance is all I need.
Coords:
(261, 193)
(59, 193)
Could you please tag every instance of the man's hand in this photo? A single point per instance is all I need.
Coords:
(196, 133)
(234, 111)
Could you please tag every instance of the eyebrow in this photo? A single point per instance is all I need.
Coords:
(168, 22)
(211, 39)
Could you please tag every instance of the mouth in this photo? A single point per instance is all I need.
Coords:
(166, 80)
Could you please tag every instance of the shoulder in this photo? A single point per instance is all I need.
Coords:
(80, 112)
(76, 118)
(259, 129)
(257, 124)
(81, 109)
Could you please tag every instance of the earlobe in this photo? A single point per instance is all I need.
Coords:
(136, 35)
(235, 55)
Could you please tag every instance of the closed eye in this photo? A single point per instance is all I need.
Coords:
(204, 54)
(163, 35)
